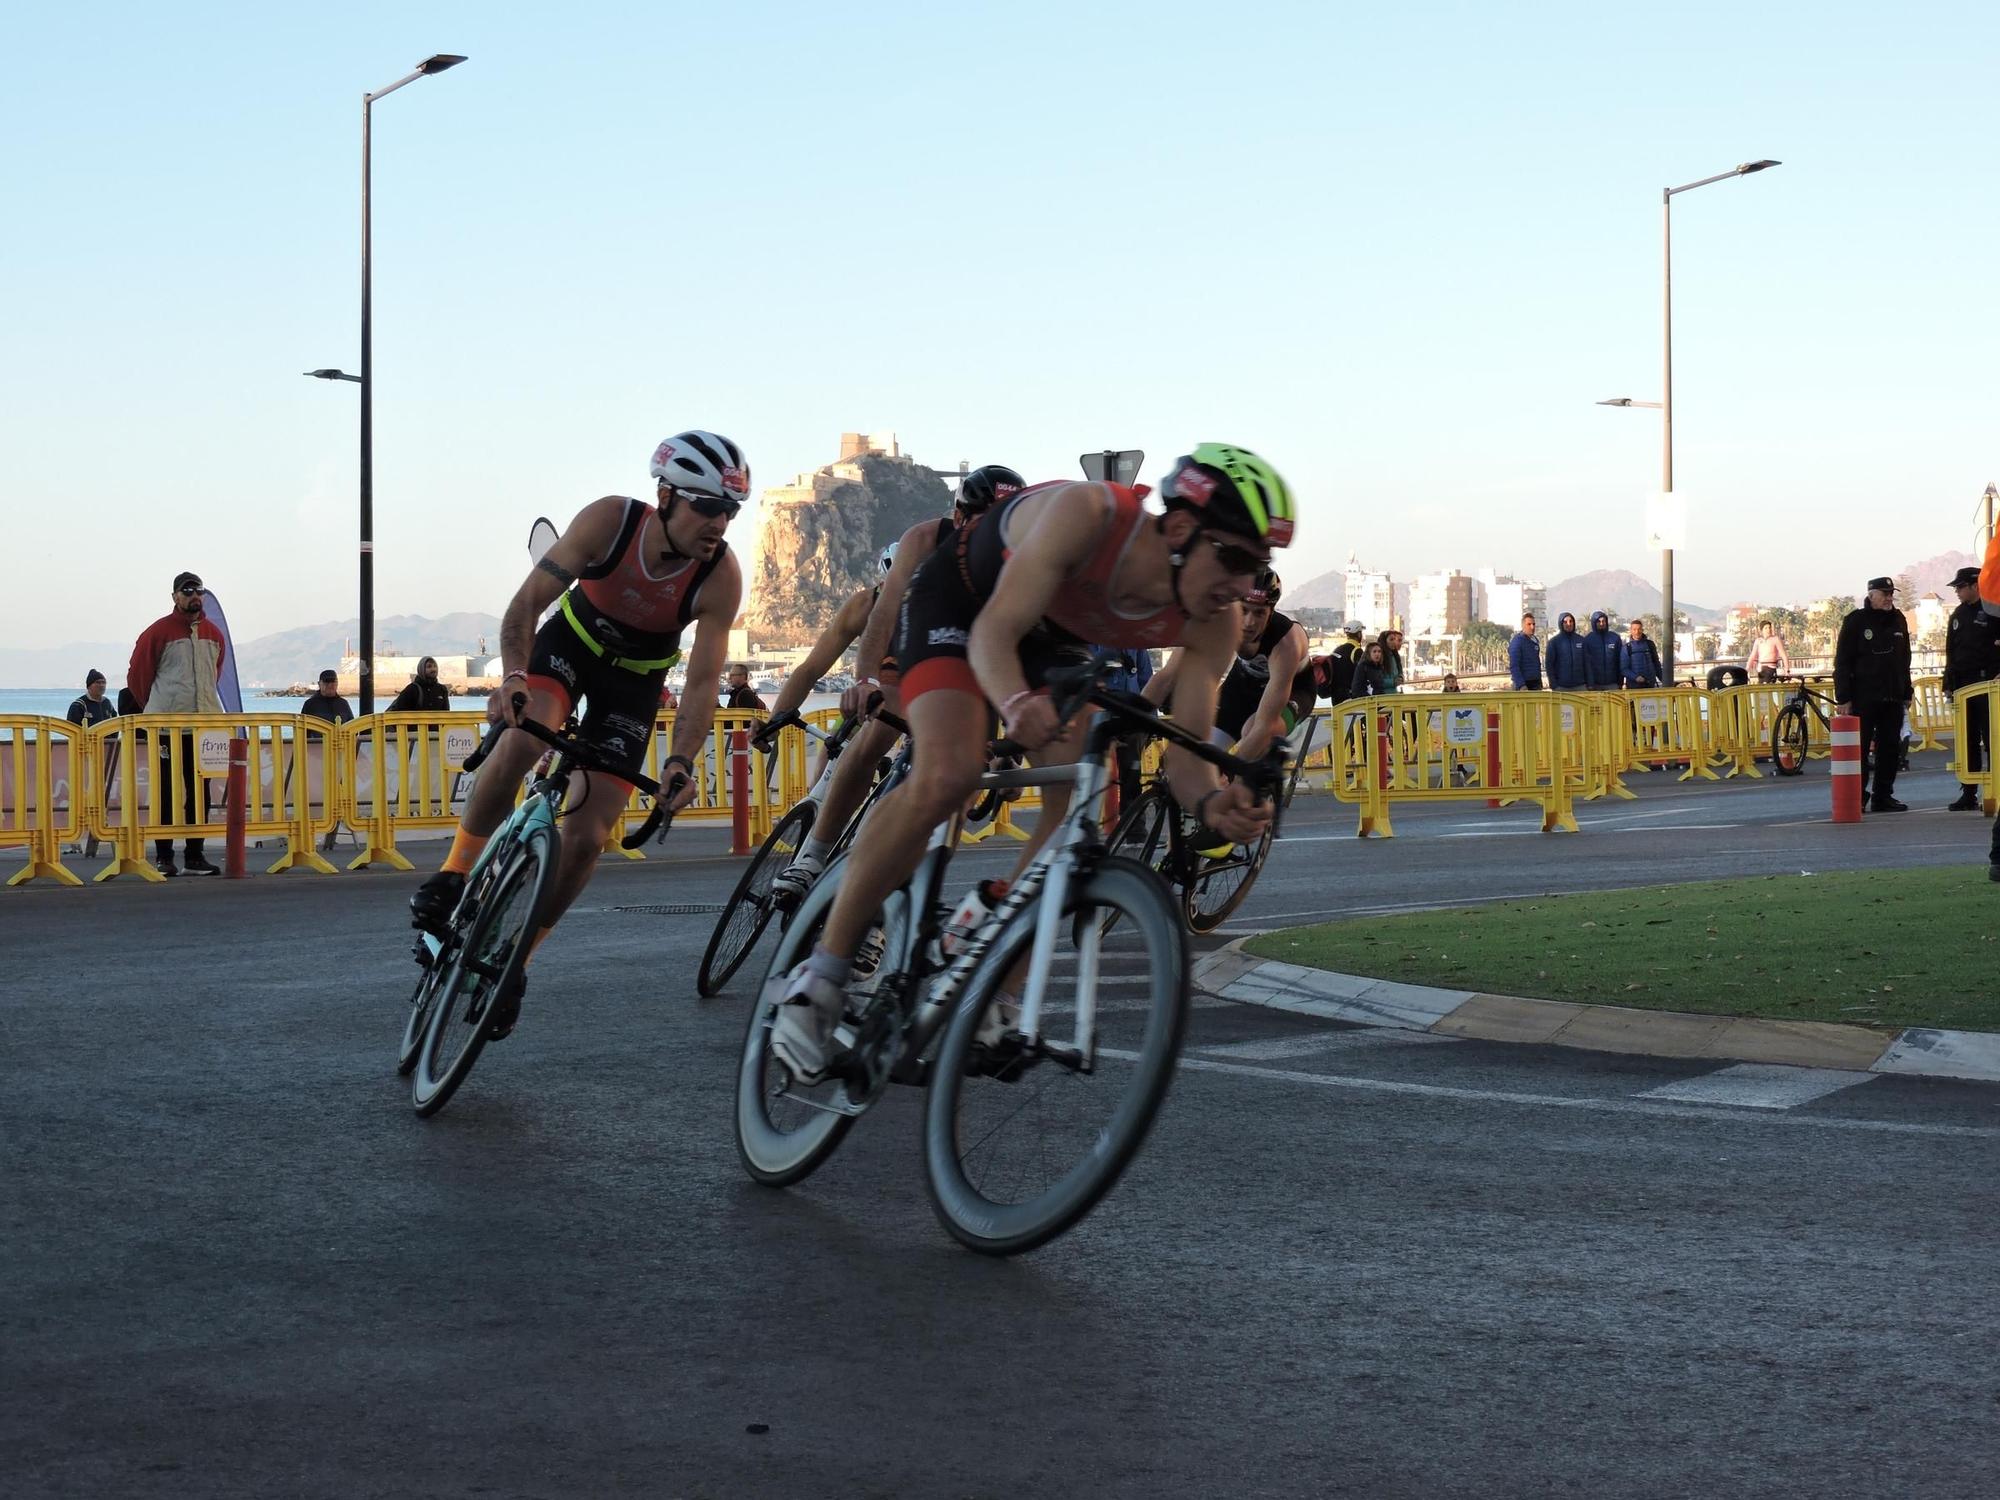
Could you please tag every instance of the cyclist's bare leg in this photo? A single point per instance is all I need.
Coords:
(1055, 799)
(585, 828)
(852, 778)
(499, 778)
(948, 730)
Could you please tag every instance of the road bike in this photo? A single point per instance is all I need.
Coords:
(1024, 1129)
(1154, 831)
(1791, 730)
(486, 940)
(753, 902)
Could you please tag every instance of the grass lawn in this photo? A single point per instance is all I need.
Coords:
(1887, 948)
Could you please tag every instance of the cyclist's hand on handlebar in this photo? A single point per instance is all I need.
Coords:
(514, 706)
(1033, 723)
(861, 697)
(1235, 814)
(679, 790)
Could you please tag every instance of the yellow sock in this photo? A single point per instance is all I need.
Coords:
(541, 933)
(465, 851)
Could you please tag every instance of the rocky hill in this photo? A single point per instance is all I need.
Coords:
(818, 539)
(1621, 593)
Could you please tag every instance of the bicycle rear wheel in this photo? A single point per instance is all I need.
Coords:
(1017, 1148)
(1214, 888)
(501, 920)
(1790, 739)
(750, 908)
(418, 1026)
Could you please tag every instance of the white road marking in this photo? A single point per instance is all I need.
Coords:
(1558, 1101)
(1351, 1039)
(1760, 1086)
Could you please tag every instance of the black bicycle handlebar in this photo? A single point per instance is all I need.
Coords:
(589, 759)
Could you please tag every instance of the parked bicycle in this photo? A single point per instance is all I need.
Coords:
(1791, 730)
(753, 902)
(486, 941)
(1025, 1128)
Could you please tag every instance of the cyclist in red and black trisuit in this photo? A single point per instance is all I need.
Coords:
(1025, 588)
(631, 577)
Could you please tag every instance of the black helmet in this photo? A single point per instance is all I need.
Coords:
(1266, 588)
(985, 486)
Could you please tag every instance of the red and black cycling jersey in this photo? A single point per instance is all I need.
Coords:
(621, 605)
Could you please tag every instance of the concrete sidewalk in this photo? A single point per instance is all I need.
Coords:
(1918, 1051)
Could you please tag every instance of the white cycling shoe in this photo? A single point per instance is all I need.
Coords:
(802, 1033)
(792, 882)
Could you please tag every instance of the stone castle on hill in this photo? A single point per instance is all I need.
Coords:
(818, 537)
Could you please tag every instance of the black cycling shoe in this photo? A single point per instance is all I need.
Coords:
(506, 1009)
(436, 899)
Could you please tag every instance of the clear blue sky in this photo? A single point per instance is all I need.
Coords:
(1401, 250)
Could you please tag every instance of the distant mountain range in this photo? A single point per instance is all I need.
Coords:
(1620, 593)
(273, 661)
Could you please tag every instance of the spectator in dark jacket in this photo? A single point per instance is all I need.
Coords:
(1334, 674)
(327, 703)
(1601, 651)
(423, 693)
(738, 694)
(1368, 673)
(1567, 671)
(1639, 659)
(93, 707)
(1524, 658)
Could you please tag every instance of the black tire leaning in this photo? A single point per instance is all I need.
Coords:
(418, 1025)
(748, 910)
(1008, 1229)
(528, 874)
(1791, 738)
(1208, 909)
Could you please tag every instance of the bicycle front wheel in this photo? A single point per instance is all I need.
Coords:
(500, 922)
(1020, 1144)
(750, 907)
(1789, 741)
(1214, 888)
(418, 1026)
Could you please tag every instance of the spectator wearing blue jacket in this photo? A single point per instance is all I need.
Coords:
(1639, 659)
(1524, 658)
(1601, 654)
(1567, 672)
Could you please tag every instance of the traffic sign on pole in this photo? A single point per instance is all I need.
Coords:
(1118, 465)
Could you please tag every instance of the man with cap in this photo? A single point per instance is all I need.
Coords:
(1971, 655)
(327, 703)
(1871, 677)
(91, 709)
(176, 664)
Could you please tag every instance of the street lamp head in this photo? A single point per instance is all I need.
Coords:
(1756, 166)
(445, 60)
(325, 374)
(1617, 401)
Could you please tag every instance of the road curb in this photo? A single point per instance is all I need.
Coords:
(1918, 1051)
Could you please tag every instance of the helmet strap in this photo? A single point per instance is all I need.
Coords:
(666, 511)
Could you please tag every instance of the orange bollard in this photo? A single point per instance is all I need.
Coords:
(1846, 768)
(234, 866)
(739, 791)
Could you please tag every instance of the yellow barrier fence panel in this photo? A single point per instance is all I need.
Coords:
(1671, 726)
(1931, 714)
(39, 805)
(166, 778)
(1976, 698)
(401, 772)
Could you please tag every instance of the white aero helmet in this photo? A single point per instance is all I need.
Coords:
(887, 558)
(703, 464)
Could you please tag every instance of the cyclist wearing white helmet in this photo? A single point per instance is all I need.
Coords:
(631, 577)
(1019, 591)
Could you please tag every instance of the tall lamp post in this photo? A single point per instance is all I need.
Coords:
(1665, 406)
(424, 69)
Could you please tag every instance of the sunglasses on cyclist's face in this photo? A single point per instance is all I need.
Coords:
(1237, 562)
(710, 506)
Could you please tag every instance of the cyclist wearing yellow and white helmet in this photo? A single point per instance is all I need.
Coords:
(1023, 589)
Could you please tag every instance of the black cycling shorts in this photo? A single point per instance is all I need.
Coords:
(935, 623)
(619, 705)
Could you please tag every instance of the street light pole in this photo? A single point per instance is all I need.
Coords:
(430, 65)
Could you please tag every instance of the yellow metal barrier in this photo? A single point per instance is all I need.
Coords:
(40, 759)
(1931, 715)
(1670, 726)
(171, 769)
(712, 776)
(403, 771)
(1488, 746)
(1977, 697)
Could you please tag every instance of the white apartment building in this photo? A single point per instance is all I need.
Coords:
(1371, 598)
(1442, 604)
(1507, 599)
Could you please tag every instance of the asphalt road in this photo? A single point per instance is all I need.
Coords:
(1348, 1262)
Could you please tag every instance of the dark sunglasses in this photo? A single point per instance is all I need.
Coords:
(1236, 561)
(188, 588)
(708, 505)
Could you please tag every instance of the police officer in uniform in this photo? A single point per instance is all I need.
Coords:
(1871, 677)
(1971, 654)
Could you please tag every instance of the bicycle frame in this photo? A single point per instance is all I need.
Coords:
(538, 807)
